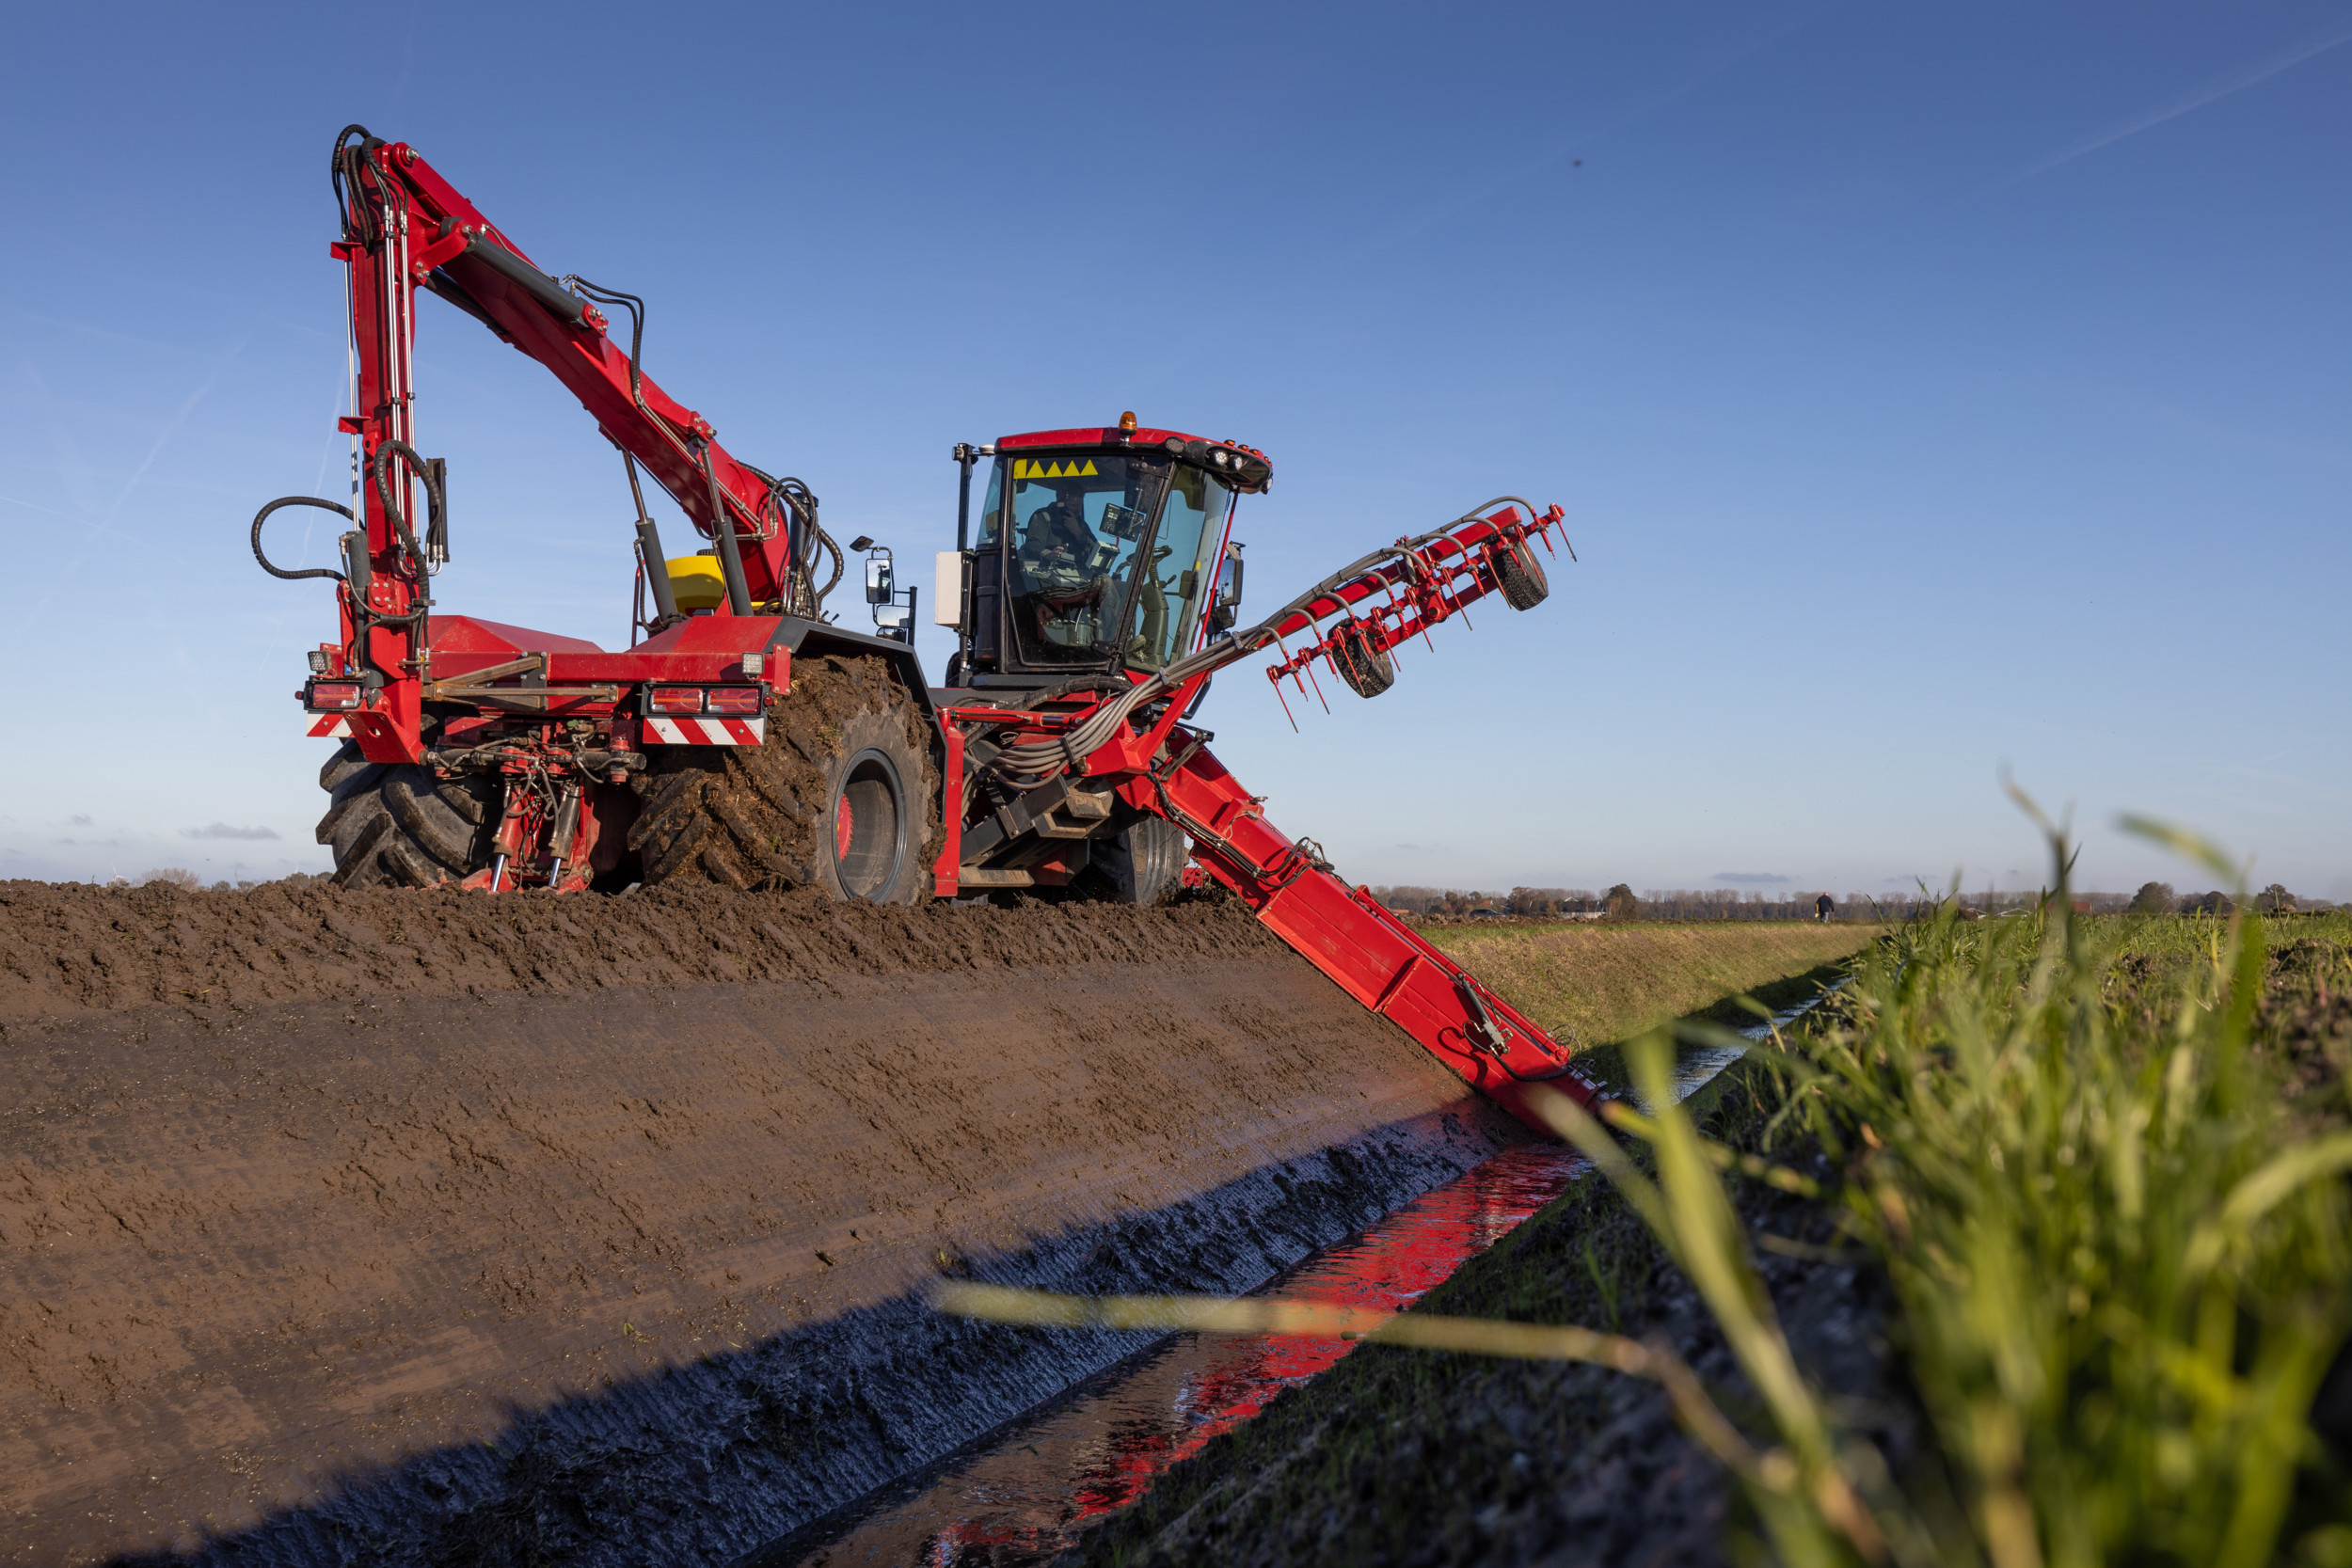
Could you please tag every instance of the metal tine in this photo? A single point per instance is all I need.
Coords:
(1398, 605)
(1461, 605)
(1275, 681)
(1310, 667)
(1319, 648)
(1423, 625)
(1293, 666)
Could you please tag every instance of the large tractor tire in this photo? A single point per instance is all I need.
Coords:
(401, 826)
(842, 796)
(1366, 667)
(1524, 585)
(1142, 865)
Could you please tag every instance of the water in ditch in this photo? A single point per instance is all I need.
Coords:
(1022, 1494)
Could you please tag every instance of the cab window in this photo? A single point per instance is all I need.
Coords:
(1078, 525)
(1175, 581)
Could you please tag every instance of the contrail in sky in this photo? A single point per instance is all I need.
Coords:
(2239, 80)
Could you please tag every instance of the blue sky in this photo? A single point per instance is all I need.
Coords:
(1932, 389)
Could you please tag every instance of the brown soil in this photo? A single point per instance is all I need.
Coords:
(298, 1185)
(72, 949)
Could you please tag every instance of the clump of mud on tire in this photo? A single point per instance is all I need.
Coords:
(843, 795)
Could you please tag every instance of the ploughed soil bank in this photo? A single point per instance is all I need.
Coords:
(425, 1228)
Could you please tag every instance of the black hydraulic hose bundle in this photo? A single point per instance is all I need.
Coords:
(436, 513)
(635, 308)
(436, 526)
(798, 505)
(297, 575)
(347, 166)
(355, 577)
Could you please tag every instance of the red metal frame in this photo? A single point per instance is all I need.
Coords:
(1430, 580)
(416, 231)
(423, 226)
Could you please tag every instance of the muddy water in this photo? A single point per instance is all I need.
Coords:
(1023, 1494)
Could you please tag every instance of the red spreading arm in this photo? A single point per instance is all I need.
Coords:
(1136, 743)
(1424, 580)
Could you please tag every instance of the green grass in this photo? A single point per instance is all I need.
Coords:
(2101, 1163)
(1592, 982)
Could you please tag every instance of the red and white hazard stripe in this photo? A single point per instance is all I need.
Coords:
(706, 732)
(659, 732)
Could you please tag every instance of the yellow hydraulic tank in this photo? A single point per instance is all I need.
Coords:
(696, 583)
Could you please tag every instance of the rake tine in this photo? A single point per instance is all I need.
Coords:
(1319, 696)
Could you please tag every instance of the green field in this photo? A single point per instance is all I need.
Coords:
(1593, 982)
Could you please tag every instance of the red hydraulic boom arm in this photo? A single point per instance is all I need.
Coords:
(405, 228)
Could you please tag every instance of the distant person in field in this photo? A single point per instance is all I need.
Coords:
(1824, 909)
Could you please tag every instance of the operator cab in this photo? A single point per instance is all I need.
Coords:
(1096, 552)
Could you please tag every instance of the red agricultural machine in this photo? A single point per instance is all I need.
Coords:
(745, 738)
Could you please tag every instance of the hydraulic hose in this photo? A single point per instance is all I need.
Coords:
(423, 471)
(839, 566)
(296, 576)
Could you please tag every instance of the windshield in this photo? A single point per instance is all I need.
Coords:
(1077, 526)
(993, 504)
(1168, 598)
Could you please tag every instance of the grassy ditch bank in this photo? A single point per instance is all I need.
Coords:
(2046, 1258)
(1590, 983)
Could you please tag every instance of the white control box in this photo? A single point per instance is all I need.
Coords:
(947, 590)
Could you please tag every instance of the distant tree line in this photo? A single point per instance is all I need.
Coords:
(1726, 904)
(178, 876)
(1551, 901)
(2159, 898)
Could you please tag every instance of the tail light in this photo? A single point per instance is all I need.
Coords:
(331, 696)
(675, 699)
(734, 699)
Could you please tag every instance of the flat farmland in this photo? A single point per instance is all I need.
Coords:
(1596, 982)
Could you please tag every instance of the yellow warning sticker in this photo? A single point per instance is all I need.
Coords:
(1029, 468)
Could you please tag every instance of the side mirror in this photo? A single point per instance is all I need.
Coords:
(878, 584)
(1227, 608)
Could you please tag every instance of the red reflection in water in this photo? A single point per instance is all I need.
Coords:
(1022, 1501)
